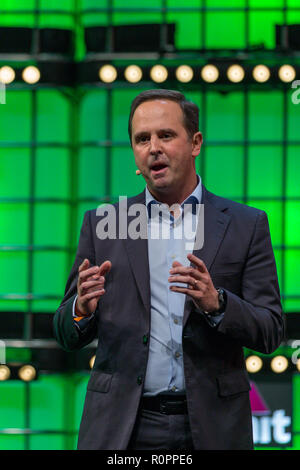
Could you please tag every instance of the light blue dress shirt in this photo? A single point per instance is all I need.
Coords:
(165, 362)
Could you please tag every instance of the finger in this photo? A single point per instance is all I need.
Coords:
(188, 280)
(105, 268)
(92, 295)
(90, 272)
(91, 285)
(84, 265)
(186, 271)
(195, 294)
(197, 262)
(175, 264)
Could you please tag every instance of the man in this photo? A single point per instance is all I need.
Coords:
(171, 320)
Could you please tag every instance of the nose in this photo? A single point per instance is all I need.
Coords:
(155, 147)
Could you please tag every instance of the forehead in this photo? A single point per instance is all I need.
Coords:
(157, 112)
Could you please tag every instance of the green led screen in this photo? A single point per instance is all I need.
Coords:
(64, 151)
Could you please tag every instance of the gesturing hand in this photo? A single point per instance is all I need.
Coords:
(90, 287)
(199, 283)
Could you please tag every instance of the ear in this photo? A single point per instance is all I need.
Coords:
(197, 142)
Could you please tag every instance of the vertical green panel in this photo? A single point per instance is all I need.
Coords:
(293, 110)
(14, 224)
(224, 171)
(262, 27)
(52, 116)
(292, 263)
(51, 224)
(13, 272)
(93, 116)
(49, 278)
(292, 224)
(12, 402)
(52, 173)
(184, 23)
(121, 101)
(265, 116)
(15, 117)
(124, 181)
(267, 183)
(14, 172)
(219, 28)
(47, 442)
(92, 172)
(274, 213)
(224, 117)
(293, 171)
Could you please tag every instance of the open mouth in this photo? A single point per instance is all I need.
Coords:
(158, 168)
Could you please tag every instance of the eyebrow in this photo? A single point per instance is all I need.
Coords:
(143, 133)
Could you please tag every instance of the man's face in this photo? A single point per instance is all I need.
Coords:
(163, 151)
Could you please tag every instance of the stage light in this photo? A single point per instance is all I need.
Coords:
(91, 361)
(27, 373)
(184, 73)
(287, 73)
(298, 365)
(209, 73)
(261, 73)
(279, 364)
(235, 73)
(7, 74)
(31, 74)
(133, 73)
(4, 373)
(108, 73)
(253, 364)
(159, 73)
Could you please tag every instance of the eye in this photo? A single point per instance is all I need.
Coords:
(142, 139)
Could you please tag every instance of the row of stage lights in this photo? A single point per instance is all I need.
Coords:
(184, 73)
(24, 372)
(278, 364)
(159, 73)
(254, 364)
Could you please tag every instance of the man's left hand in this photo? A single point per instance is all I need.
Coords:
(199, 283)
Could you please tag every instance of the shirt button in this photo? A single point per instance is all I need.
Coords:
(173, 388)
(176, 321)
(139, 380)
(145, 339)
(177, 354)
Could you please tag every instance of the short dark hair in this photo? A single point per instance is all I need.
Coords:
(189, 109)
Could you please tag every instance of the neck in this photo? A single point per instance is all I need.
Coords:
(174, 197)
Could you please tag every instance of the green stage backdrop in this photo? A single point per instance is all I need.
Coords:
(64, 150)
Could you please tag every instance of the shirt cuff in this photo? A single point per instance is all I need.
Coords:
(80, 322)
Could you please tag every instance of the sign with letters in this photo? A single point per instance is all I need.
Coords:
(271, 405)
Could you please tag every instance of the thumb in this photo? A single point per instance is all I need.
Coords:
(105, 268)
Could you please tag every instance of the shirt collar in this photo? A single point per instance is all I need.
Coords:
(193, 199)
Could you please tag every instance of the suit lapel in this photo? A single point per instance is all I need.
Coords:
(137, 251)
(215, 226)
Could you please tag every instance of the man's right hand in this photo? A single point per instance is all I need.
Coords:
(90, 287)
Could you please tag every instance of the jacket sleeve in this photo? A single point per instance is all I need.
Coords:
(66, 332)
(255, 318)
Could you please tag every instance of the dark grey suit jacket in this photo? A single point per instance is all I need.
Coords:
(238, 254)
